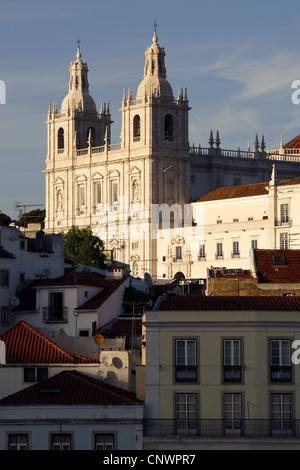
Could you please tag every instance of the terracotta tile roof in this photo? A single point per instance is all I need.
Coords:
(278, 266)
(244, 190)
(74, 278)
(199, 302)
(231, 192)
(25, 345)
(293, 144)
(70, 388)
(122, 326)
(110, 286)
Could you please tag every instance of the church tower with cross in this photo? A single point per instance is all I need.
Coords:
(113, 187)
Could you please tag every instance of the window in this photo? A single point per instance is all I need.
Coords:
(254, 244)
(202, 255)
(178, 253)
(280, 367)
(4, 277)
(98, 193)
(284, 241)
(18, 442)
(61, 442)
(250, 219)
(185, 360)
(281, 413)
(235, 220)
(104, 441)
(135, 246)
(232, 370)
(219, 254)
(169, 127)
(136, 128)
(4, 315)
(186, 412)
(170, 189)
(236, 250)
(22, 244)
(60, 139)
(284, 213)
(35, 374)
(232, 412)
(81, 195)
(114, 192)
(219, 221)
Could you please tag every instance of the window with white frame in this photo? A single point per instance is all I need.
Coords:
(232, 370)
(185, 360)
(253, 244)
(104, 441)
(202, 254)
(219, 253)
(280, 358)
(284, 213)
(178, 253)
(186, 409)
(284, 241)
(232, 411)
(18, 442)
(235, 249)
(61, 441)
(281, 413)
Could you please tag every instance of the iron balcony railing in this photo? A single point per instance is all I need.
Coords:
(55, 314)
(214, 428)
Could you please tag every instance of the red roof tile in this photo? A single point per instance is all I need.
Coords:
(293, 144)
(122, 327)
(199, 302)
(75, 278)
(231, 192)
(70, 388)
(270, 270)
(25, 345)
(110, 287)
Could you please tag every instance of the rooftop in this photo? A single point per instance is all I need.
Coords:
(70, 388)
(25, 345)
(194, 302)
(278, 266)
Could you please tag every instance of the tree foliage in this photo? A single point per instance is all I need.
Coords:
(35, 216)
(82, 247)
(4, 219)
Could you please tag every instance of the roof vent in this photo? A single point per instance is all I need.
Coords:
(279, 260)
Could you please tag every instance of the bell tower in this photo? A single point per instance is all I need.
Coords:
(70, 132)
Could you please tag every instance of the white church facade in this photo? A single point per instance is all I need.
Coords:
(124, 190)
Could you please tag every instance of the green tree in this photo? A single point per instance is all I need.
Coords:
(82, 247)
(4, 219)
(35, 216)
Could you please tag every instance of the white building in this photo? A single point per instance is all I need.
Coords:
(231, 222)
(23, 259)
(114, 187)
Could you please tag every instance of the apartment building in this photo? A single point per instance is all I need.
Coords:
(222, 372)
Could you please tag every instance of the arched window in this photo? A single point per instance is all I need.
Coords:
(60, 139)
(136, 128)
(169, 127)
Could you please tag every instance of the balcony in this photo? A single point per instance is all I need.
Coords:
(55, 314)
(281, 373)
(235, 254)
(284, 222)
(219, 255)
(232, 373)
(186, 373)
(216, 428)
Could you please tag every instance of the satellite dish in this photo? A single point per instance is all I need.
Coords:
(14, 301)
(99, 339)
(102, 374)
(107, 360)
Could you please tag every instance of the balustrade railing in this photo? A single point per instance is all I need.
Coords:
(210, 428)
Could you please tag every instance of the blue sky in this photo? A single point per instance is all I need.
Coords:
(237, 60)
